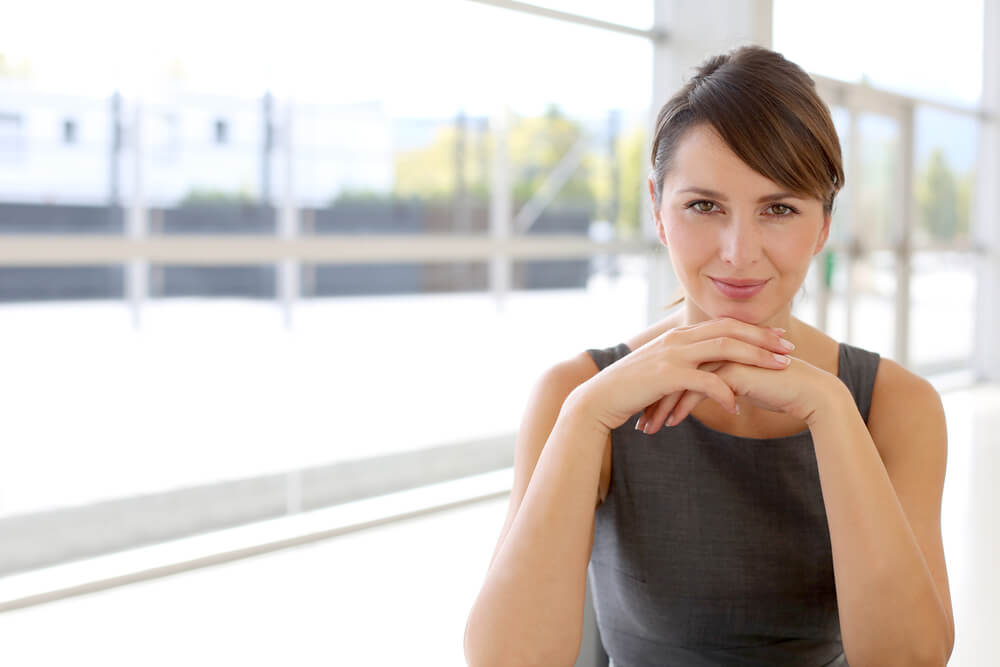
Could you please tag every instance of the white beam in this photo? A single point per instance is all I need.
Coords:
(697, 29)
(986, 221)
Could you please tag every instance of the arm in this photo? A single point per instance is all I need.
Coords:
(884, 519)
(530, 608)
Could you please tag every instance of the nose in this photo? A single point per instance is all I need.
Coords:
(740, 244)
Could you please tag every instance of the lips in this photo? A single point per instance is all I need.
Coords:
(740, 282)
(738, 288)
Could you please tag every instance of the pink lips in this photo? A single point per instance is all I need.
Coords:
(739, 289)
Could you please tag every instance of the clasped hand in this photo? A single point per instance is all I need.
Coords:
(718, 359)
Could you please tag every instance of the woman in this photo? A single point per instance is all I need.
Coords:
(793, 518)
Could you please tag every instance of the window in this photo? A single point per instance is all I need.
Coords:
(221, 131)
(69, 131)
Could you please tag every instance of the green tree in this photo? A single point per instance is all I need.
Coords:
(631, 181)
(965, 184)
(938, 198)
(534, 146)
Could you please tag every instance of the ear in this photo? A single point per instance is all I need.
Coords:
(656, 213)
(824, 234)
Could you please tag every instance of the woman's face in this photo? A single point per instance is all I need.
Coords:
(734, 228)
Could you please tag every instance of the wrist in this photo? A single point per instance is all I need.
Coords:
(832, 400)
(576, 410)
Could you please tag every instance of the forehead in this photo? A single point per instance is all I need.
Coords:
(704, 160)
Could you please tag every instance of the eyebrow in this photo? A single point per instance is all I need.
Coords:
(721, 197)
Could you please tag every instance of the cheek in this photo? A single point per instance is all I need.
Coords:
(791, 250)
(689, 243)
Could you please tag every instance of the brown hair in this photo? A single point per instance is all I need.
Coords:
(767, 110)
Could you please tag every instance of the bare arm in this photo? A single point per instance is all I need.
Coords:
(530, 608)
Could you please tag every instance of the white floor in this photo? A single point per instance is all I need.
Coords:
(399, 594)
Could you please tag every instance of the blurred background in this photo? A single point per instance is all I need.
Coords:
(275, 281)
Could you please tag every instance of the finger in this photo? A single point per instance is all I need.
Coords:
(686, 406)
(761, 336)
(647, 414)
(713, 387)
(725, 348)
(656, 417)
(690, 400)
(650, 412)
(663, 411)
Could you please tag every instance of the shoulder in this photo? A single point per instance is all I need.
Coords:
(899, 391)
(905, 408)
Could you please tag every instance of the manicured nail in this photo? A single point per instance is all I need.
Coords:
(778, 330)
(670, 419)
(783, 358)
(787, 344)
(638, 424)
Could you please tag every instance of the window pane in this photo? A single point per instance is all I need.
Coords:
(811, 34)
(943, 308)
(945, 154)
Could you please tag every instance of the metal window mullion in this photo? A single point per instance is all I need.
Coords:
(904, 250)
(853, 199)
(500, 210)
(137, 227)
(288, 267)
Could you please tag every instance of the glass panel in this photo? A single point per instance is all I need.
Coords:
(809, 34)
(633, 13)
(205, 391)
(876, 223)
(873, 324)
(943, 306)
(840, 229)
(945, 151)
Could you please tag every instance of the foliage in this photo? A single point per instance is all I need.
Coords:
(197, 196)
(534, 146)
(943, 201)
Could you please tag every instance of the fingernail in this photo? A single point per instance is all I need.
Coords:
(779, 330)
(670, 419)
(638, 424)
(782, 358)
(787, 344)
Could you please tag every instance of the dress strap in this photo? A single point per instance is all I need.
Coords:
(857, 370)
(604, 357)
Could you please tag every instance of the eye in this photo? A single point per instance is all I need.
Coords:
(785, 210)
(698, 208)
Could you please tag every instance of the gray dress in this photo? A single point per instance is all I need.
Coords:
(714, 549)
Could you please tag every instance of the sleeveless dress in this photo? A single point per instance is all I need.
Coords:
(713, 549)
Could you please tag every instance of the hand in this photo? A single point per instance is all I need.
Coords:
(798, 392)
(671, 364)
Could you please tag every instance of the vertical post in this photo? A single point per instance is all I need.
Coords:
(904, 244)
(137, 228)
(114, 165)
(461, 202)
(852, 253)
(288, 277)
(692, 39)
(500, 210)
(267, 148)
(986, 221)
(614, 131)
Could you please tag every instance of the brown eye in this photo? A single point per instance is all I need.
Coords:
(698, 206)
(782, 210)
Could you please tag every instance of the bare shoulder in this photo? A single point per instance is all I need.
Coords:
(902, 402)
